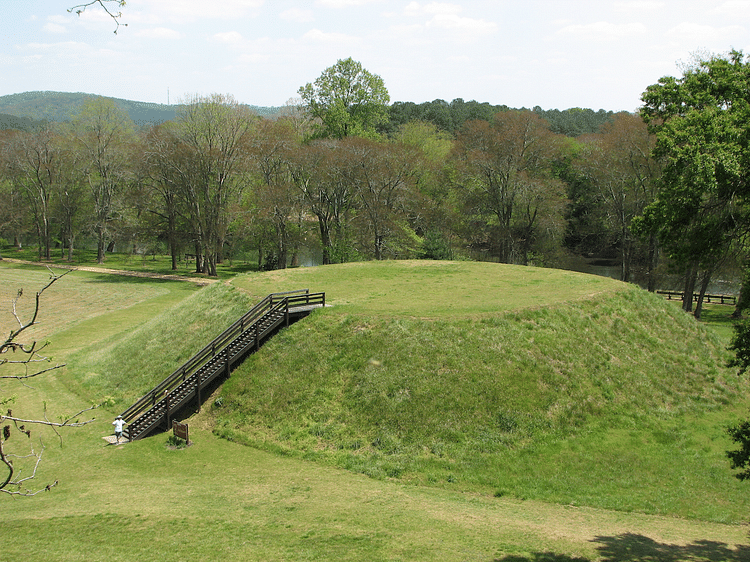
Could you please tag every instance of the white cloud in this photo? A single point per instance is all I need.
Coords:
(603, 30)
(191, 10)
(732, 8)
(54, 28)
(342, 3)
(455, 22)
(295, 14)
(694, 32)
(445, 16)
(433, 8)
(159, 33)
(637, 7)
(442, 8)
(321, 37)
(230, 37)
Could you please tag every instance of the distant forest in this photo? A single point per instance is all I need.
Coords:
(29, 110)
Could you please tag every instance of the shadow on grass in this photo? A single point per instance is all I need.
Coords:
(543, 557)
(129, 279)
(631, 547)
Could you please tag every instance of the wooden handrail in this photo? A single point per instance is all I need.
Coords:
(275, 302)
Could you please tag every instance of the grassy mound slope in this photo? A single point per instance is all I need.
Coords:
(122, 368)
(435, 378)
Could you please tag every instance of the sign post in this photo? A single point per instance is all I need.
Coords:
(180, 430)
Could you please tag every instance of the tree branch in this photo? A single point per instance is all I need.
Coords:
(80, 8)
(10, 343)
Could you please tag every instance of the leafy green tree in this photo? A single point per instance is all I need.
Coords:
(740, 434)
(161, 166)
(105, 133)
(381, 175)
(347, 99)
(211, 164)
(701, 126)
(317, 171)
(275, 193)
(37, 173)
(618, 163)
(505, 183)
(432, 208)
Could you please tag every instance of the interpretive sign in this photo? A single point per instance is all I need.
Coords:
(180, 430)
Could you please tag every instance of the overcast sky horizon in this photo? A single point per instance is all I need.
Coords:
(556, 54)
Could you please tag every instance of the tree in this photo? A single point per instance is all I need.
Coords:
(275, 192)
(21, 461)
(211, 163)
(381, 176)
(317, 169)
(619, 164)
(35, 171)
(432, 211)
(701, 125)
(347, 99)
(161, 164)
(105, 132)
(505, 184)
(740, 434)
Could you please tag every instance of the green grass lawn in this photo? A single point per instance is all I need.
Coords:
(645, 482)
(152, 263)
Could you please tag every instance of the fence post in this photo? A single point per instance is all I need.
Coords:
(166, 407)
(198, 389)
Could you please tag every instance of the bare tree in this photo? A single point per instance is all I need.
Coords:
(20, 461)
(115, 15)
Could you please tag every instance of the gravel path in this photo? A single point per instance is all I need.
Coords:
(97, 269)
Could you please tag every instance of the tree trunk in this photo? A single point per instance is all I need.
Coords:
(198, 258)
(653, 258)
(691, 276)
(704, 287)
(743, 297)
(325, 240)
(100, 246)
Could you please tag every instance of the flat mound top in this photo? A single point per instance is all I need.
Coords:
(422, 288)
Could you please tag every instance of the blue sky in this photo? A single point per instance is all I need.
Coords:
(595, 54)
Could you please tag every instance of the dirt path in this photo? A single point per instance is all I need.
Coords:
(201, 281)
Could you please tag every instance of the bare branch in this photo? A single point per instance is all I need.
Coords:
(10, 343)
(28, 376)
(21, 468)
(80, 8)
(65, 423)
(18, 481)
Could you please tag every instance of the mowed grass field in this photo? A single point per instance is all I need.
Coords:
(286, 500)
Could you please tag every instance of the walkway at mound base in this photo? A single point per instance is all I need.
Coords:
(98, 269)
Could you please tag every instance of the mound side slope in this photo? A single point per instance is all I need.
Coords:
(122, 368)
(486, 396)
(354, 382)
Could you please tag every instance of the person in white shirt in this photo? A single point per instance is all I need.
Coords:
(118, 423)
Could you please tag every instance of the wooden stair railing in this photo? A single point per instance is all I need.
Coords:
(217, 358)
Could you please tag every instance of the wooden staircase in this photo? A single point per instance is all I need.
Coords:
(154, 410)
